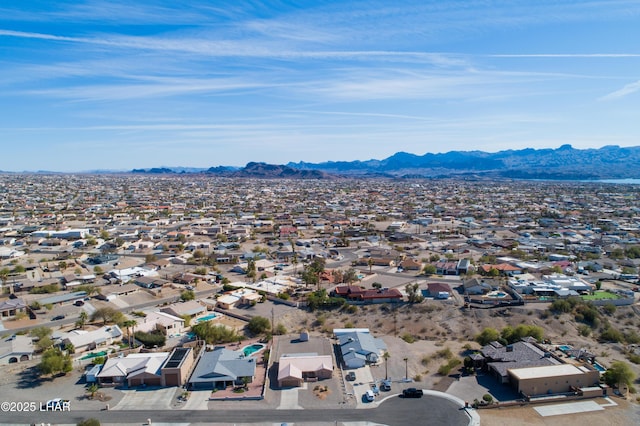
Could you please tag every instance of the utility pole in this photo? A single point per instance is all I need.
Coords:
(273, 324)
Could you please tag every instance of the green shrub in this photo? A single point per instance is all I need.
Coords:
(610, 334)
(444, 370)
(152, 339)
(89, 422)
(584, 330)
(258, 325)
(634, 358)
(280, 329)
(444, 353)
(408, 338)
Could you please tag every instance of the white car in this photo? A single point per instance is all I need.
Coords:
(369, 395)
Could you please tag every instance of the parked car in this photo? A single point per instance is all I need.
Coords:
(412, 393)
(57, 317)
(369, 396)
(78, 303)
(385, 385)
(351, 376)
(375, 389)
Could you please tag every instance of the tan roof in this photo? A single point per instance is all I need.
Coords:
(545, 371)
(295, 365)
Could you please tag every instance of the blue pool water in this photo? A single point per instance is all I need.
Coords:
(251, 349)
(207, 318)
(94, 355)
(599, 367)
(564, 348)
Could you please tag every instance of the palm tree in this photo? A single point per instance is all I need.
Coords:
(82, 319)
(386, 357)
(130, 323)
(92, 389)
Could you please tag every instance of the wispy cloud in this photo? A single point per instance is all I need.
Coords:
(242, 48)
(167, 87)
(567, 55)
(626, 90)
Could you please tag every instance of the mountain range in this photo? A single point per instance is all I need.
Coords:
(564, 163)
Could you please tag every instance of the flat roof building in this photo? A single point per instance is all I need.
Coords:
(553, 379)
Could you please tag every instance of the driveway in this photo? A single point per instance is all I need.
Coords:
(198, 400)
(150, 398)
(469, 388)
(289, 398)
(363, 382)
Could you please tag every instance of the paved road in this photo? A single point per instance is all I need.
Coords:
(393, 411)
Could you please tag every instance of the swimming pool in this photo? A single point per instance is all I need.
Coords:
(94, 355)
(497, 294)
(207, 318)
(252, 349)
(599, 367)
(565, 348)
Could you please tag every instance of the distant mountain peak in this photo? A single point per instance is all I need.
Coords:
(565, 162)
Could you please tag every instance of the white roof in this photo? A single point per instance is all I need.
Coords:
(154, 318)
(228, 299)
(102, 334)
(545, 371)
(133, 364)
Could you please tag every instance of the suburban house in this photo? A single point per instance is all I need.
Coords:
(9, 308)
(437, 291)
(9, 253)
(16, 349)
(446, 267)
(222, 367)
(88, 340)
(554, 379)
(498, 358)
(133, 370)
(502, 268)
(167, 323)
(476, 286)
(463, 266)
(191, 308)
(295, 369)
(376, 261)
(382, 295)
(241, 296)
(117, 291)
(151, 282)
(360, 348)
(176, 369)
(347, 291)
(409, 264)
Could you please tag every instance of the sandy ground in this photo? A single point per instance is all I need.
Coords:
(624, 414)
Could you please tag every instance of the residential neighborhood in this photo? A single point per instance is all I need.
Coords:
(297, 294)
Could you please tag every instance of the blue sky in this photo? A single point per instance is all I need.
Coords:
(91, 85)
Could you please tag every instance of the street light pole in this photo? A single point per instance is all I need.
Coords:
(406, 368)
